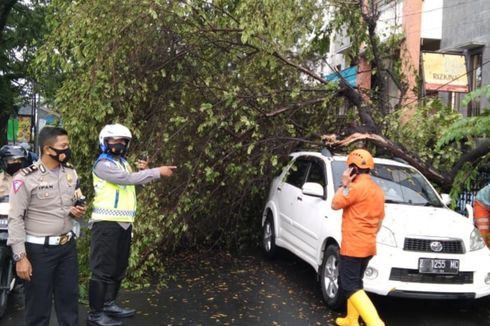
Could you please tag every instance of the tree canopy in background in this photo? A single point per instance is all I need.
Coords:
(21, 27)
(223, 89)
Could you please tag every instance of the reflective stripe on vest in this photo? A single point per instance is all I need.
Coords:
(113, 202)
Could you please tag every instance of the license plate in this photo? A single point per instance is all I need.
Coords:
(438, 266)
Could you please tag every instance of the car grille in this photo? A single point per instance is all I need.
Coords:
(423, 245)
(413, 276)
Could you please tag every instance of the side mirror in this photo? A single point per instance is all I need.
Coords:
(446, 199)
(313, 189)
(469, 211)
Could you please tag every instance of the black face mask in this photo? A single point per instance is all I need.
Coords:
(117, 149)
(13, 167)
(66, 151)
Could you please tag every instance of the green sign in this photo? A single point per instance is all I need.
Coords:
(12, 130)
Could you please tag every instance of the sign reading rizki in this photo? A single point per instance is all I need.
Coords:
(445, 72)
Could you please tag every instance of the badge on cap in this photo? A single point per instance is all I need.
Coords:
(17, 184)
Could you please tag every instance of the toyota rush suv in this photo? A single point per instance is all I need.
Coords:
(424, 249)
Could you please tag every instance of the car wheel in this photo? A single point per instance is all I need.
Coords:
(329, 278)
(269, 238)
(4, 266)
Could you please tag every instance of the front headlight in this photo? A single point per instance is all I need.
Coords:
(386, 237)
(476, 240)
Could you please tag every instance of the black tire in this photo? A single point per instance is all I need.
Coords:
(329, 279)
(3, 301)
(4, 281)
(269, 238)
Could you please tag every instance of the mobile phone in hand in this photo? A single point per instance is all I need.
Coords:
(353, 171)
(82, 201)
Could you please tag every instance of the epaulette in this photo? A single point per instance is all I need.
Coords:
(28, 170)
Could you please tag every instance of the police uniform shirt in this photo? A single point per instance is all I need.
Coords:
(5, 182)
(110, 172)
(40, 201)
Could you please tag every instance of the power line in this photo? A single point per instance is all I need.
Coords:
(423, 11)
(449, 82)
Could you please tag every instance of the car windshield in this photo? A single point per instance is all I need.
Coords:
(401, 185)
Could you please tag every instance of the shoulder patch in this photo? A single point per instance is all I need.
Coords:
(17, 184)
(28, 170)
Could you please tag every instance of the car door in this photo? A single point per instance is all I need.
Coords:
(311, 211)
(288, 190)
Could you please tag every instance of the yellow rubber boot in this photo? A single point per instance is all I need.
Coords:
(366, 309)
(352, 318)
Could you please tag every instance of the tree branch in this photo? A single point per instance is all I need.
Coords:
(396, 149)
(471, 156)
(300, 68)
(295, 106)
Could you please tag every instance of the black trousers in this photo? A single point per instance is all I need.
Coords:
(110, 246)
(54, 274)
(351, 272)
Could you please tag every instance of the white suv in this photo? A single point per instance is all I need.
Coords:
(424, 249)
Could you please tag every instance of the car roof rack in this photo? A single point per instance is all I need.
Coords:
(400, 160)
(326, 152)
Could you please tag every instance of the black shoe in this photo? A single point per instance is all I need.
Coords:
(101, 319)
(113, 310)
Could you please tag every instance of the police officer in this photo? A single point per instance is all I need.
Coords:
(111, 222)
(12, 158)
(42, 198)
(362, 201)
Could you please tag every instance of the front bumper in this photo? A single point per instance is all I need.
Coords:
(396, 274)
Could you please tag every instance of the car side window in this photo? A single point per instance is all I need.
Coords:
(317, 174)
(297, 173)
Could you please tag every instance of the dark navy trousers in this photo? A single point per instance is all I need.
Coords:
(54, 277)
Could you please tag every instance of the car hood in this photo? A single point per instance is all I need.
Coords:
(425, 222)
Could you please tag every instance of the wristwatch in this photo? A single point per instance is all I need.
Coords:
(18, 257)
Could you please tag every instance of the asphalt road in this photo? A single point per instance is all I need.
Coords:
(221, 289)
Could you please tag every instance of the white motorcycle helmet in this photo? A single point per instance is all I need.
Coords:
(116, 131)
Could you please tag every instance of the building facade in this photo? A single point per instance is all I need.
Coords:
(451, 33)
(465, 31)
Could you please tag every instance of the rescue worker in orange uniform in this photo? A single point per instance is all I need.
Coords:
(481, 212)
(362, 201)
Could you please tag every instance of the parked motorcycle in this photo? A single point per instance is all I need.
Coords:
(7, 273)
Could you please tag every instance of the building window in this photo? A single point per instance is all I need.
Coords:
(475, 77)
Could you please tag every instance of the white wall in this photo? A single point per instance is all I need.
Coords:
(390, 19)
(432, 19)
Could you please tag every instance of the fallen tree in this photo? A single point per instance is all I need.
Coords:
(225, 92)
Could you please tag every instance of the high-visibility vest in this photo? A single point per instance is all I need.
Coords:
(113, 202)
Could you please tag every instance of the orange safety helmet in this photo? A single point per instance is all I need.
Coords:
(361, 158)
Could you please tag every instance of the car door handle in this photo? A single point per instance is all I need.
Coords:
(299, 198)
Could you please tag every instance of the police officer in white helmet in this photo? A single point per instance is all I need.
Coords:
(111, 222)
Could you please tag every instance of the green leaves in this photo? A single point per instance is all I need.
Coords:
(194, 82)
(467, 128)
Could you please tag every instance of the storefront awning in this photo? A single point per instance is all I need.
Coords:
(350, 74)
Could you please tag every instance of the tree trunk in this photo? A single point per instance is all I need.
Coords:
(5, 8)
